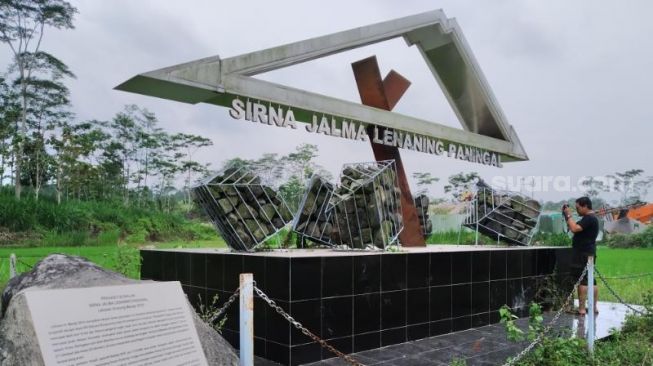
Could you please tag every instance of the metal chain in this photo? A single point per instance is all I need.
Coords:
(224, 307)
(302, 329)
(615, 294)
(629, 276)
(25, 264)
(548, 327)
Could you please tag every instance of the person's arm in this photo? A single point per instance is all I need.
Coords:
(573, 226)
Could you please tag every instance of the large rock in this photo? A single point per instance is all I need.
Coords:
(18, 343)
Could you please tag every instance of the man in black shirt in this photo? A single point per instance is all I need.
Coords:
(583, 246)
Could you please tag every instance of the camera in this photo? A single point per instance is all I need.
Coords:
(564, 207)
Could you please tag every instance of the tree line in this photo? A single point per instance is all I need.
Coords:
(42, 145)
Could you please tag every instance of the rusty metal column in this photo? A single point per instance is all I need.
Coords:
(384, 94)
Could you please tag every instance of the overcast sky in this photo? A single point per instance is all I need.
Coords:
(573, 78)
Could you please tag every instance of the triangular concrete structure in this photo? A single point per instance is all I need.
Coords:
(439, 39)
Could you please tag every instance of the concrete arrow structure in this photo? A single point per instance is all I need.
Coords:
(439, 39)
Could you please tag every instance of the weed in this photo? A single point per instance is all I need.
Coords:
(208, 313)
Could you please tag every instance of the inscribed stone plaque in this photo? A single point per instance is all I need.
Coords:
(140, 324)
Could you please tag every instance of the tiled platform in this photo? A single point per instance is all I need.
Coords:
(480, 346)
(361, 301)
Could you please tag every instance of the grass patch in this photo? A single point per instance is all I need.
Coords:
(120, 258)
(91, 223)
(612, 262)
(465, 236)
(624, 262)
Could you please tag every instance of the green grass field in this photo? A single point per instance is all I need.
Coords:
(122, 259)
(611, 263)
(624, 262)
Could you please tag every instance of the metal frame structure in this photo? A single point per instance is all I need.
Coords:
(315, 210)
(423, 212)
(369, 190)
(495, 215)
(240, 188)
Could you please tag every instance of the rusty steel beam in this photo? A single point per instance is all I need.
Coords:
(394, 87)
(384, 94)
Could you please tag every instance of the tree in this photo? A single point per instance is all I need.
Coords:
(424, 181)
(126, 135)
(236, 163)
(269, 167)
(48, 110)
(22, 27)
(189, 144)
(75, 160)
(292, 191)
(459, 183)
(9, 110)
(593, 187)
(165, 167)
(632, 185)
(301, 161)
(146, 136)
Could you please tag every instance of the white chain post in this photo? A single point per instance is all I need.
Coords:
(246, 319)
(590, 303)
(12, 265)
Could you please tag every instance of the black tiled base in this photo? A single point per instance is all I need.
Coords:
(360, 301)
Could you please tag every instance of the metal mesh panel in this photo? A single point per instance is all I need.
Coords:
(502, 215)
(422, 205)
(366, 207)
(245, 211)
(313, 220)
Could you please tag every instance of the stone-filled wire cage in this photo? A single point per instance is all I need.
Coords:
(422, 203)
(314, 219)
(245, 210)
(502, 215)
(366, 207)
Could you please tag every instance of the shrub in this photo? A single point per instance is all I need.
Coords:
(466, 237)
(74, 223)
(638, 240)
(630, 346)
(127, 261)
(552, 239)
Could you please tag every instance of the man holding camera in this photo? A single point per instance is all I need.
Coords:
(583, 246)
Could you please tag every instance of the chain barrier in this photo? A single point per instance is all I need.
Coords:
(615, 294)
(521, 354)
(25, 264)
(626, 277)
(302, 329)
(225, 306)
(550, 325)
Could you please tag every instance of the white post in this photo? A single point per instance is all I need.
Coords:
(475, 208)
(12, 265)
(590, 303)
(246, 319)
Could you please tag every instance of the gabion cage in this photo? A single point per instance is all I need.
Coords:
(314, 220)
(422, 202)
(244, 210)
(502, 215)
(366, 207)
